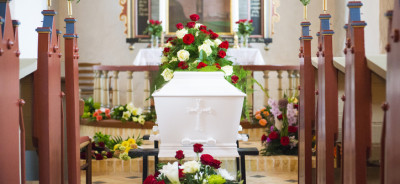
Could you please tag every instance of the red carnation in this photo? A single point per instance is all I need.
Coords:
(280, 116)
(273, 135)
(263, 138)
(203, 27)
(221, 54)
(206, 159)
(250, 21)
(198, 148)
(191, 24)
(224, 45)
(188, 39)
(204, 31)
(216, 164)
(214, 35)
(182, 65)
(99, 157)
(285, 141)
(166, 50)
(151, 21)
(179, 26)
(194, 17)
(217, 65)
(179, 155)
(201, 65)
(292, 129)
(234, 79)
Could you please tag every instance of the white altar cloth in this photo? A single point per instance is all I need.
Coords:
(242, 56)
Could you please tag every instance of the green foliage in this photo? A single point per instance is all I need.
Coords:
(245, 28)
(110, 141)
(114, 141)
(305, 2)
(100, 137)
(89, 108)
(153, 29)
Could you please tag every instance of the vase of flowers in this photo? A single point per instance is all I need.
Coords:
(281, 119)
(245, 28)
(200, 95)
(154, 29)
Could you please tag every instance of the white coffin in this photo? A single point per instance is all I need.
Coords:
(198, 107)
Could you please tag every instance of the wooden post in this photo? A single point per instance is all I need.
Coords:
(307, 105)
(72, 99)
(357, 121)
(129, 91)
(392, 152)
(327, 122)
(115, 89)
(47, 98)
(9, 97)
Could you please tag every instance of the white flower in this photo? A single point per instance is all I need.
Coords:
(225, 174)
(197, 25)
(130, 107)
(181, 33)
(171, 172)
(164, 60)
(168, 44)
(126, 115)
(121, 108)
(183, 55)
(206, 48)
(141, 119)
(228, 70)
(209, 42)
(135, 119)
(173, 59)
(191, 167)
(139, 111)
(167, 74)
(217, 42)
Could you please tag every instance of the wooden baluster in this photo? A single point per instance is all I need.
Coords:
(129, 90)
(146, 95)
(97, 87)
(249, 92)
(296, 79)
(266, 87)
(280, 90)
(105, 90)
(115, 89)
(290, 79)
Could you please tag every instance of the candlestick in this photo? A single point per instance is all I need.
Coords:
(325, 6)
(49, 4)
(70, 9)
(305, 12)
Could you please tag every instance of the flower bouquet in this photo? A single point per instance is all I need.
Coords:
(245, 29)
(205, 169)
(280, 118)
(154, 29)
(128, 112)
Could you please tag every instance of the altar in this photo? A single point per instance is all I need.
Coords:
(240, 56)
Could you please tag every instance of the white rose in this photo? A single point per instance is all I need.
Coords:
(197, 25)
(225, 174)
(181, 33)
(217, 42)
(167, 74)
(171, 172)
(174, 59)
(206, 48)
(183, 55)
(164, 60)
(126, 115)
(228, 70)
(191, 167)
(208, 42)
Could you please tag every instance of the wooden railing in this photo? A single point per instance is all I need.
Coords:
(103, 91)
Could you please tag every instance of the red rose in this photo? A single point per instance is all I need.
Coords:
(179, 26)
(182, 65)
(296, 106)
(198, 148)
(263, 138)
(206, 159)
(179, 155)
(214, 35)
(201, 65)
(151, 21)
(102, 145)
(181, 174)
(157, 22)
(166, 50)
(280, 116)
(224, 45)
(109, 155)
(191, 24)
(204, 31)
(99, 157)
(250, 21)
(194, 17)
(273, 135)
(234, 79)
(188, 39)
(203, 27)
(210, 31)
(292, 129)
(152, 180)
(217, 65)
(221, 54)
(237, 22)
(216, 164)
(285, 141)
(170, 39)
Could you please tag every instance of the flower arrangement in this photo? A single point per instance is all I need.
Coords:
(280, 118)
(153, 28)
(196, 48)
(245, 27)
(104, 146)
(205, 169)
(129, 113)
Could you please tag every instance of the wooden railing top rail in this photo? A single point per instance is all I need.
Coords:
(155, 68)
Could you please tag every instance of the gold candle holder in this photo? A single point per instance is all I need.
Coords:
(48, 4)
(325, 6)
(70, 9)
(305, 12)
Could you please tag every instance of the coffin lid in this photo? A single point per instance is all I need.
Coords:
(198, 84)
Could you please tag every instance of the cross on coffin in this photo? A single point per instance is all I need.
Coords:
(199, 111)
